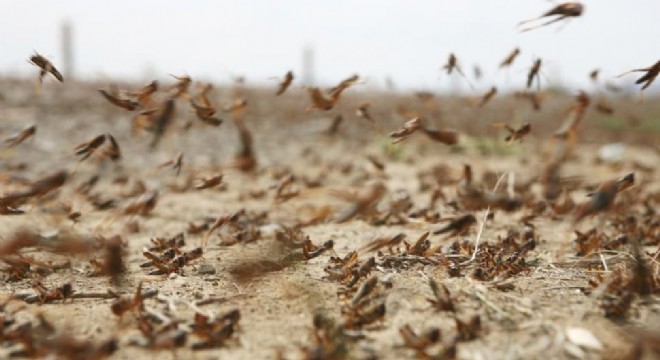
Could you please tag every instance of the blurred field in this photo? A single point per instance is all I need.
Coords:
(524, 315)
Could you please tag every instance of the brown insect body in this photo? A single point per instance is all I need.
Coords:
(517, 134)
(210, 182)
(88, 148)
(38, 188)
(144, 96)
(508, 61)
(123, 103)
(181, 86)
(363, 202)
(487, 96)
(162, 121)
(417, 342)
(447, 137)
(408, 128)
(442, 300)
(452, 64)
(650, 76)
(334, 126)
(568, 130)
(144, 205)
(533, 97)
(363, 112)
(458, 225)
(603, 198)
(562, 11)
(566, 9)
(214, 331)
(285, 83)
(47, 296)
(123, 304)
(534, 73)
(203, 108)
(21, 136)
(46, 67)
(326, 101)
(176, 163)
(244, 160)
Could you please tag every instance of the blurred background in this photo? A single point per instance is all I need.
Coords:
(396, 44)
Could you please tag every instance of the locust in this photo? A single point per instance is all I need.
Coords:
(562, 11)
(648, 78)
(45, 67)
(285, 83)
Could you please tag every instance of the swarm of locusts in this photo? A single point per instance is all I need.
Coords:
(382, 234)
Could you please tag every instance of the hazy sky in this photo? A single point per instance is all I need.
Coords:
(407, 40)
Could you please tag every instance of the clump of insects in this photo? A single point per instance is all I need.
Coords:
(385, 229)
(45, 296)
(214, 331)
(365, 306)
(112, 263)
(160, 336)
(171, 260)
(328, 340)
(124, 304)
(43, 340)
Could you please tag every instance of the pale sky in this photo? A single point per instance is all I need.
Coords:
(407, 40)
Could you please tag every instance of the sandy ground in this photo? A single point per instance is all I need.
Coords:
(527, 315)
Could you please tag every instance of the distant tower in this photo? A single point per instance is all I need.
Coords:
(308, 65)
(455, 83)
(66, 41)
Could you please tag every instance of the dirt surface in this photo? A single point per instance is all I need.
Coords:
(532, 296)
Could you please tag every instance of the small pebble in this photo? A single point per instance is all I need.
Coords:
(205, 269)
